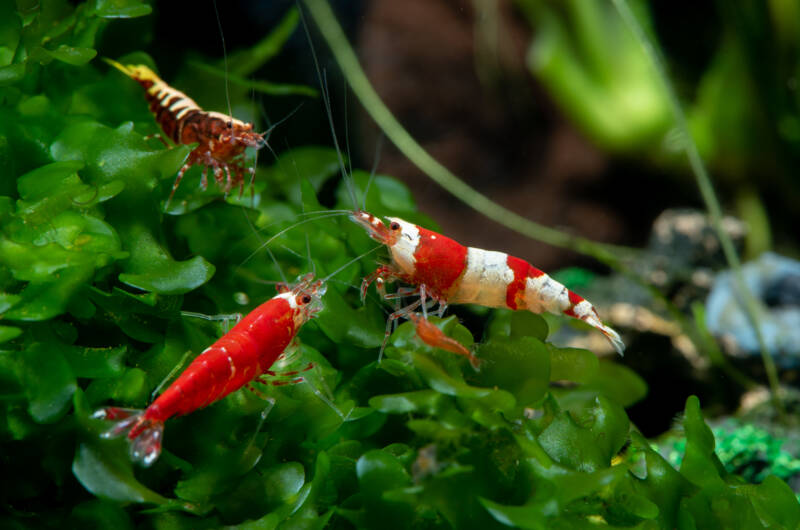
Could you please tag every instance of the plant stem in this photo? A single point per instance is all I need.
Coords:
(709, 197)
(332, 32)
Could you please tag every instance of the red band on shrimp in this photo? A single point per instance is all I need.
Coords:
(439, 261)
(515, 293)
(574, 299)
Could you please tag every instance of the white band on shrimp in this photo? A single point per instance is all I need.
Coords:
(485, 280)
(542, 293)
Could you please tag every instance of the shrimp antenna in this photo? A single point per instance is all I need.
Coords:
(170, 375)
(347, 131)
(290, 227)
(224, 57)
(255, 160)
(314, 214)
(266, 134)
(277, 265)
(310, 261)
(327, 101)
(340, 269)
(375, 161)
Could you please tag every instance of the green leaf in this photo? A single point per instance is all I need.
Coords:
(48, 381)
(387, 196)
(614, 381)
(315, 164)
(42, 300)
(516, 516)
(427, 401)
(379, 472)
(588, 443)
(151, 268)
(99, 514)
(8, 333)
(246, 62)
(130, 388)
(95, 362)
(506, 323)
(572, 364)
(138, 316)
(283, 481)
(10, 30)
(7, 301)
(340, 322)
(260, 86)
(520, 366)
(120, 8)
(527, 324)
(117, 154)
(43, 181)
(107, 475)
(11, 74)
(171, 277)
(573, 59)
(660, 482)
(75, 56)
(631, 508)
(700, 465)
(438, 379)
(775, 502)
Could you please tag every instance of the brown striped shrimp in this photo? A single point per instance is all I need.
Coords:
(221, 139)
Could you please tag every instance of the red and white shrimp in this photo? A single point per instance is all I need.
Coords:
(221, 139)
(242, 355)
(449, 273)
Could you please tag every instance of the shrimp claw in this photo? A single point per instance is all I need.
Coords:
(433, 336)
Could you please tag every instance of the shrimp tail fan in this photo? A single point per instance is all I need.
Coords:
(612, 336)
(144, 434)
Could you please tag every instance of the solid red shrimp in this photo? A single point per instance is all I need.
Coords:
(221, 139)
(243, 354)
(450, 273)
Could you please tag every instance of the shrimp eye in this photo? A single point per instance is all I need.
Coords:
(395, 225)
(306, 299)
(230, 125)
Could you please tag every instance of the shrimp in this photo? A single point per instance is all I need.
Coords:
(445, 272)
(242, 355)
(221, 139)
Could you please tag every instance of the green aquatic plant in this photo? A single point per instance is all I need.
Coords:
(750, 451)
(595, 70)
(98, 291)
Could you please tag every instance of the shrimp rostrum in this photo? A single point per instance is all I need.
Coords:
(444, 271)
(244, 354)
